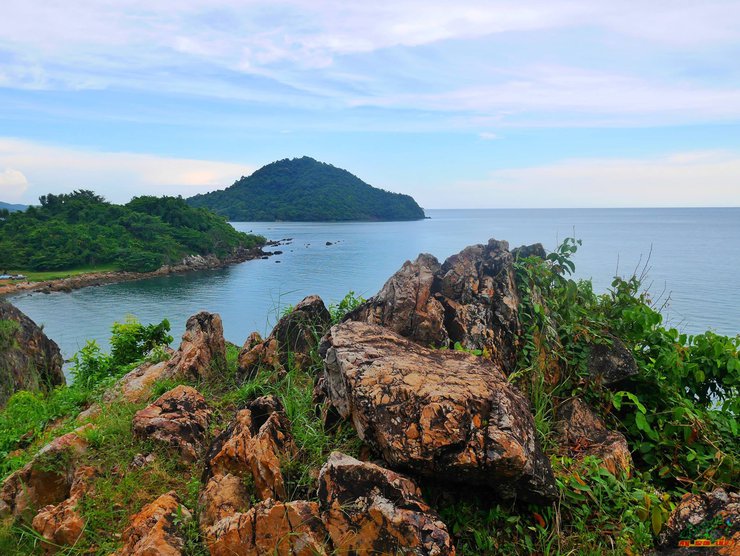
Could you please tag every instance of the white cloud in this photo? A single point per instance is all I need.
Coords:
(35, 169)
(487, 136)
(701, 178)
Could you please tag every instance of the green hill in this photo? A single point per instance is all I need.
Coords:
(12, 208)
(81, 229)
(304, 189)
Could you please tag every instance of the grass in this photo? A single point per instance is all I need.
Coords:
(42, 276)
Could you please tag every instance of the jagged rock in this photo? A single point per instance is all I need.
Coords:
(444, 414)
(223, 496)
(253, 445)
(471, 299)
(291, 342)
(371, 510)
(613, 363)
(709, 516)
(585, 434)
(62, 525)
(178, 418)
(153, 531)
(271, 529)
(201, 351)
(47, 479)
(28, 359)
(534, 250)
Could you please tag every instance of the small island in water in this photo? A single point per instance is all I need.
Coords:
(306, 190)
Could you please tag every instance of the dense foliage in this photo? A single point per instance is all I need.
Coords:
(303, 189)
(81, 229)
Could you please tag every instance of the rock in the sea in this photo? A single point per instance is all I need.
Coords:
(471, 298)
(370, 510)
(156, 529)
(444, 414)
(28, 359)
(712, 516)
(613, 363)
(293, 340)
(585, 434)
(178, 419)
(47, 479)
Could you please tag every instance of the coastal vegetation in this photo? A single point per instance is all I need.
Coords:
(304, 189)
(677, 410)
(81, 231)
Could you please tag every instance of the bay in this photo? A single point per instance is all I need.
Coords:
(694, 264)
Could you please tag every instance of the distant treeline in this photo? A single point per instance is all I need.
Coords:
(81, 229)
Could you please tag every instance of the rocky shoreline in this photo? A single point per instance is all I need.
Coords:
(191, 263)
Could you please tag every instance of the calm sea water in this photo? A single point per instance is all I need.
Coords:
(695, 258)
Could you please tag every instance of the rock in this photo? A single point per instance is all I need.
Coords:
(201, 351)
(251, 447)
(329, 243)
(154, 530)
(613, 363)
(534, 250)
(444, 414)
(710, 516)
(292, 341)
(585, 434)
(271, 529)
(28, 359)
(471, 299)
(371, 510)
(178, 418)
(62, 525)
(223, 496)
(47, 479)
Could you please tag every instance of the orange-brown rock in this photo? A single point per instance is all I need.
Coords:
(444, 414)
(63, 525)
(223, 496)
(45, 480)
(370, 510)
(178, 418)
(291, 343)
(202, 350)
(471, 298)
(585, 434)
(715, 514)
(271, 529)
(155, 530)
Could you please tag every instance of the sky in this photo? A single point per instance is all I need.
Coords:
(467, 104)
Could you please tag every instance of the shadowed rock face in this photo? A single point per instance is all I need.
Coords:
(443, 414)
(613, 363)
(471, 298)
(371, 510)
(28, 359)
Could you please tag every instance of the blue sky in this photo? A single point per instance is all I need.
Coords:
(559, 103)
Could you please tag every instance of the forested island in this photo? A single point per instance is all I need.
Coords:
(306, 190)
(82, 230)
(9, 207)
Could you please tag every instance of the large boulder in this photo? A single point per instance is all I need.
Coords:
(712, 516)
(178, 419)
(156, 529)
(444, 414)
(611, 362)
(470, 299)
(583, 433)
(28, 359)
(291, 343)
(370, 510)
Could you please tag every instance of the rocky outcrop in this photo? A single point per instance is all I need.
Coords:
(444, 414)
(63, 525)
(28, 359)
(47, 479)
(611, 363)
(371, 510)
(471, 298)
(292, 341)
(178, 419)
(201, 352)
(708, 516)
(156, 529)
(583, 433)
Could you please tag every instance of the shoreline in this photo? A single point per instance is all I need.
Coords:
(191, 263)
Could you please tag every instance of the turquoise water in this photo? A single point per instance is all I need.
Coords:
(695, 258)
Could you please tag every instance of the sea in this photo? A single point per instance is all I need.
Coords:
(690, 257)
